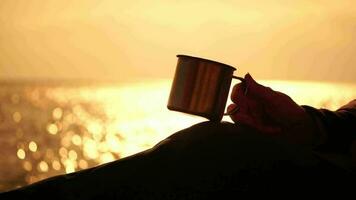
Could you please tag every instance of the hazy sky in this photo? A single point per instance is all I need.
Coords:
(123, 40)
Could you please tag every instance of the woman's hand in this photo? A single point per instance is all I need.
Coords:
(270, 112)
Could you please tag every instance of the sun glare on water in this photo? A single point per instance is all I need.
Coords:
(137, 117)
(54, 130)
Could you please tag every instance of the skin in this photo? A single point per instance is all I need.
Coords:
(276, 114)
(271, 112)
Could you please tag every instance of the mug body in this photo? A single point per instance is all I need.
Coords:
(200, 87)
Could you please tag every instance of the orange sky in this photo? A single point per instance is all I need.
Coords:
(125, 40)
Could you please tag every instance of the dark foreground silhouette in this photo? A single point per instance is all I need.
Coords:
(276, 148)
(207, 160)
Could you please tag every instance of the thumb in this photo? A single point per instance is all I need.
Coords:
(257, 89)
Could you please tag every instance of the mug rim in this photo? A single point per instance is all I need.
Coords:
(204, 59)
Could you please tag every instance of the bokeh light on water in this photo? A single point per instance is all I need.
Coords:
(51, 130)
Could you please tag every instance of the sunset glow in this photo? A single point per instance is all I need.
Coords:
(134, 40)
(86, 82)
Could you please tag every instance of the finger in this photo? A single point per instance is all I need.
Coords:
(253, 117)
(248, 104)
(242, 113)
(242, 104)
(255, 109)
(243, 119)
(231, 107)
(249, 120)
(257, 90)
(237, 93)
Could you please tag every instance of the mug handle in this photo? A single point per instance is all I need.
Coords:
(245, 92)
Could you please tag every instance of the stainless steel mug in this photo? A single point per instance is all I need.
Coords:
(201, 87)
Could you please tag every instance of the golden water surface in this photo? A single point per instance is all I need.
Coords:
(51, 130)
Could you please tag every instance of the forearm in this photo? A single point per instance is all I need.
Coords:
(336, 129)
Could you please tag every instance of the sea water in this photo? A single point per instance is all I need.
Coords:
(51, 129)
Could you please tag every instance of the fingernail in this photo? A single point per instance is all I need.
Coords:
(231, 112)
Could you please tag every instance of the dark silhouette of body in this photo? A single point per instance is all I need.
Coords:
(275, 147)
